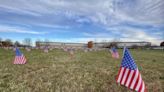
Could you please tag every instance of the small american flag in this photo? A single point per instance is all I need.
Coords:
(114, 53)
(28, 49)
(129, 75)
(19, 58)
(46, 49)
(85, 50)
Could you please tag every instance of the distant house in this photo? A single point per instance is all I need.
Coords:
(96, 45)
(131, 44)
(122, 44)
(60, 44)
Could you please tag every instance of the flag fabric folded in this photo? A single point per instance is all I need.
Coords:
(19, 58)
(114, 53)
(129, 74)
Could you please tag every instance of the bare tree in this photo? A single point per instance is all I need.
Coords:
(38, 40)
(147, 46)
(46, 42)
(27, 42)
(8, 42)
(114, 43)
(0, 39)
(162, 44)
(37, 43)
(0, 42)
(17, 44)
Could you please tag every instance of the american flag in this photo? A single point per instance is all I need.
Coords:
(46, 49)
(19, 58)
(114, 53)
(129, 75)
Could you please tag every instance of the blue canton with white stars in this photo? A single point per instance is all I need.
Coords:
(128, 61)
(114, 50)
(18, 53)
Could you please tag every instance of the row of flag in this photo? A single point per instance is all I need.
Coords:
(128, 75)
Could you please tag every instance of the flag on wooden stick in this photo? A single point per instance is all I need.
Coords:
(129, 74)
(19, 58)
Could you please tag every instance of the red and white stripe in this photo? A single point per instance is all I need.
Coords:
(20, 60)
(131, 79)
(115, 55)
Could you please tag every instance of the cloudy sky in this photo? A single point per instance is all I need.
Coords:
(82, 20)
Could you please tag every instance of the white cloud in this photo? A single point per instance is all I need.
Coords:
(136, 34)
(47, 13)
(52, 26)
(18, 30)
(96, 35)
(85, 40)
(105, 12)
(18, 10)
(142, 11)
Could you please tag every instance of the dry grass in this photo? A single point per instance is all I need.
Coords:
(87, 72)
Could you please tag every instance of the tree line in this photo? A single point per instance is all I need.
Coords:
(27, 42)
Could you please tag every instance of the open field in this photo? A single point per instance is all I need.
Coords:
(87, 72)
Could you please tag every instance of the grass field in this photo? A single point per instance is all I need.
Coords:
(86, 72)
